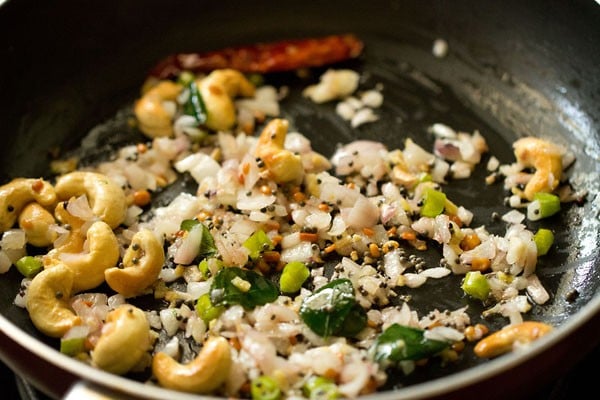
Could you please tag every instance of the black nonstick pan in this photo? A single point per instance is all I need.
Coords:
(513, 69)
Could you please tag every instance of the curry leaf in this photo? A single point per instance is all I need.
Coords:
(195, 105)
(399, 342)
(233, 285)
(333, 310)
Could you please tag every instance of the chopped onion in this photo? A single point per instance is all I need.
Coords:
(13, 239)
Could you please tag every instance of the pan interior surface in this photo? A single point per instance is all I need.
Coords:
(88, 100)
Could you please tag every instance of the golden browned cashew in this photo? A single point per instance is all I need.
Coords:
(47, 301)
(106, 198)
(154, 118)
(35, 221)
(218, 90)
(283, 165)
(124, 340)
(545, 158)
(89, 266)
(202, 375)
(18, 193)
(504, 340)
(142, 263)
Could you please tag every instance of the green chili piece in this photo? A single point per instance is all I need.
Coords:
(293, 276)
(543, 238)
(425, 177)
(476, 285)
(264, 388)
(320, 388)
(433, 203)
(257, 243)
(206, 310)
(203, 267)
(72, 346)
(29, 266)
(549, 203)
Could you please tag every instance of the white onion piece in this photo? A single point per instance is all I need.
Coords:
(414, 280)
(338, 226)
(536, 290)
(443, 131)
(301, 252)
(13, 239)
(513, 217)
(169, 274)
(392, 266)
(115, 301)
(318, 219)
(189, 246)
(290, 240)
(78, 331)
(354, 377)
(255, 201)
(168, 318)
(172, 348)
(197, 289)
(80, 207)
(363, 214)
(443, 333)
(435, 272)
(199, 165)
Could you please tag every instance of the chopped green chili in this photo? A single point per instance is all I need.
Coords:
(257, 243)
(72, 346)
(264, 388)
(206, 310)
(320, 388)
(549, 204)
(433, 203)
(476, 285)
(543, 238)
(29, 266)
(293, 276)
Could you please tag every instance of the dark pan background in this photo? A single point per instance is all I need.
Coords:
(514, 69)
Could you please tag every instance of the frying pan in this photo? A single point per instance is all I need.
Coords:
(514, 68)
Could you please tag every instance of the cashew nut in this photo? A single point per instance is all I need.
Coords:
(106, 198)
(218, 90)
(142, 263)
(89, 266)
(35, 221)
(546, 158)
(155, 119)
(124, 339)
(504, 340)
(202, 375)
(47, 301)
(283, 165)
(18, 193)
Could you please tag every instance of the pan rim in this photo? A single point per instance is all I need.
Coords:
(436, 387)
